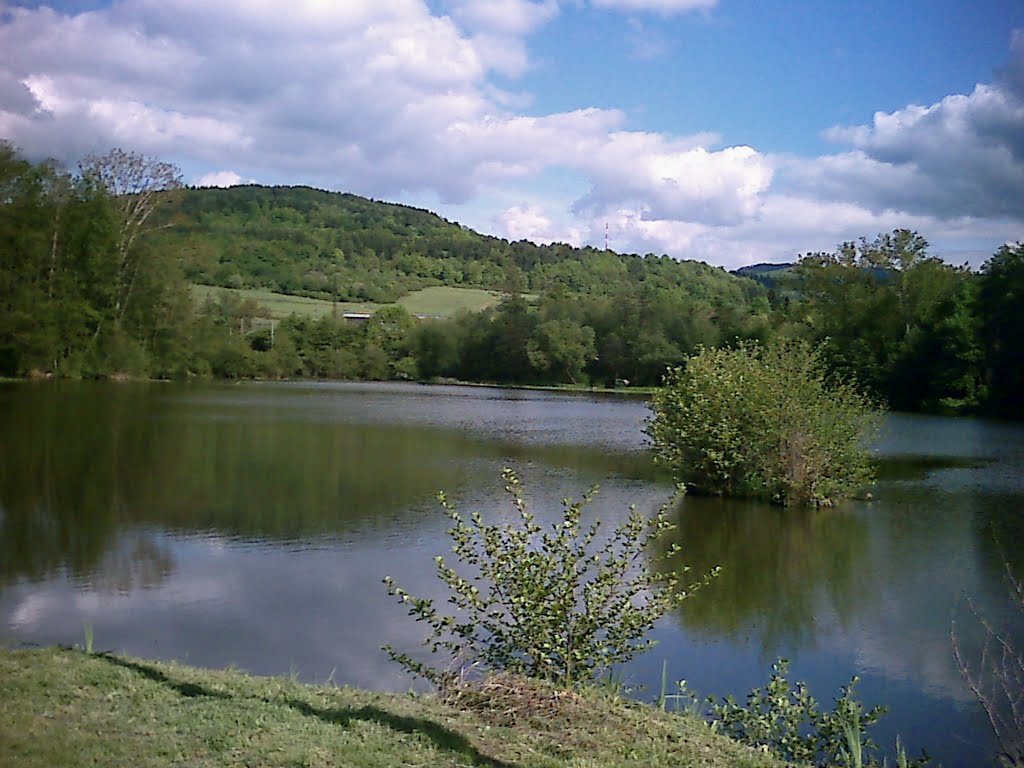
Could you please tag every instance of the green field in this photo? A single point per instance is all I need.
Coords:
(442, 301)
(69, 708)
(446, 301)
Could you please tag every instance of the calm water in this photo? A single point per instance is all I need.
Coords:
(252, 525)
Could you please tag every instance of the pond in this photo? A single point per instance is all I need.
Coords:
(251, 525)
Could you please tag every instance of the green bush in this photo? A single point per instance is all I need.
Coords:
(763, 422)
(788, 722)
(558, 603)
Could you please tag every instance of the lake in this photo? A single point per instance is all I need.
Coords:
(251, 525)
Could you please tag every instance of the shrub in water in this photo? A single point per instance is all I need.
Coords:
(763, 423)
(556, 603)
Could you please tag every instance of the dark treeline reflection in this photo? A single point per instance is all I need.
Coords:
(97, 460)
(82, 463)
(782, 569)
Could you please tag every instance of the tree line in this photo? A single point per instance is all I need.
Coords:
(917, 333)
(97, 264)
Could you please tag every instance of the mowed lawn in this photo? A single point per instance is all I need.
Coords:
(68, 708)
(440, 301)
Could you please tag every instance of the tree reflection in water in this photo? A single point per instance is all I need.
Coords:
(784, 571)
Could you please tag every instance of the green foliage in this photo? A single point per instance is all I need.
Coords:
(82, 292)
(786, 720)
(554, 603)
(1001, 311)
(94, 267)
(898, 321)
(763, 422)
(645, 312)
(563, 348)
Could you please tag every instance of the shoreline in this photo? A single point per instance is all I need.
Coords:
(117, 378)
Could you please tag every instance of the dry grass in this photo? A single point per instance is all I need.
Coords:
(504, 699)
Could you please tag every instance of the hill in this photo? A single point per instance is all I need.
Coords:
(767, 275)
(591, 315)
(338, 246)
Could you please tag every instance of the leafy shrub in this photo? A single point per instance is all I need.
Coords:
(763, 423)
(788, 722)
(554, 603)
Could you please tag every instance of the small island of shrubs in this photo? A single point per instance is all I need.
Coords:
(765, 423)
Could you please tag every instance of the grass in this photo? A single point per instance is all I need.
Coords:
(443, 301)
(280, 304)
(67, 708)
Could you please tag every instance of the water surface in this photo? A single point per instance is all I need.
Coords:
(252, 524)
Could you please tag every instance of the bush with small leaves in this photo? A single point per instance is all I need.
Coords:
(557, 603)
(763, 422)
(787, 721)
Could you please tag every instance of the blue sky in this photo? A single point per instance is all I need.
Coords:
(766, 73)
(730, 132)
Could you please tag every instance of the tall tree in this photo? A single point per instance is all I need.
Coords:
(25, 220)
(138, 186)
(1001, 310)
(894, 318)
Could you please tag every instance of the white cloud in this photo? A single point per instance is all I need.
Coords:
(530, 222)
(657, 6)
(503, 54)
(509, 17)
(390, 100)
(674, 180)
(325, 92)
(221, 179)
(961, 156)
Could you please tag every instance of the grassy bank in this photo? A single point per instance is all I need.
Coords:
(69, 708)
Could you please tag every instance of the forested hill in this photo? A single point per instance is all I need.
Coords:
(334, 245)
(95, 270)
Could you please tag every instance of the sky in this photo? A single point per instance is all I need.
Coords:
(728, 131)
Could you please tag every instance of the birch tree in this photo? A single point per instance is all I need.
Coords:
(137, 185)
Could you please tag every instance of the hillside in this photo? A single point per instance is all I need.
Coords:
(330, 245)
(92, 285)
(767, 275)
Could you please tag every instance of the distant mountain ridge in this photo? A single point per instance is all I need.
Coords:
(765, 273)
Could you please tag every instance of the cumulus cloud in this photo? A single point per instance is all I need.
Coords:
(392, 100)
(325, 89)
(675, 180)
(961, 156)
(221, 179)
(16, 97)
(530, 222)
(658, 6)
(510, 17)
